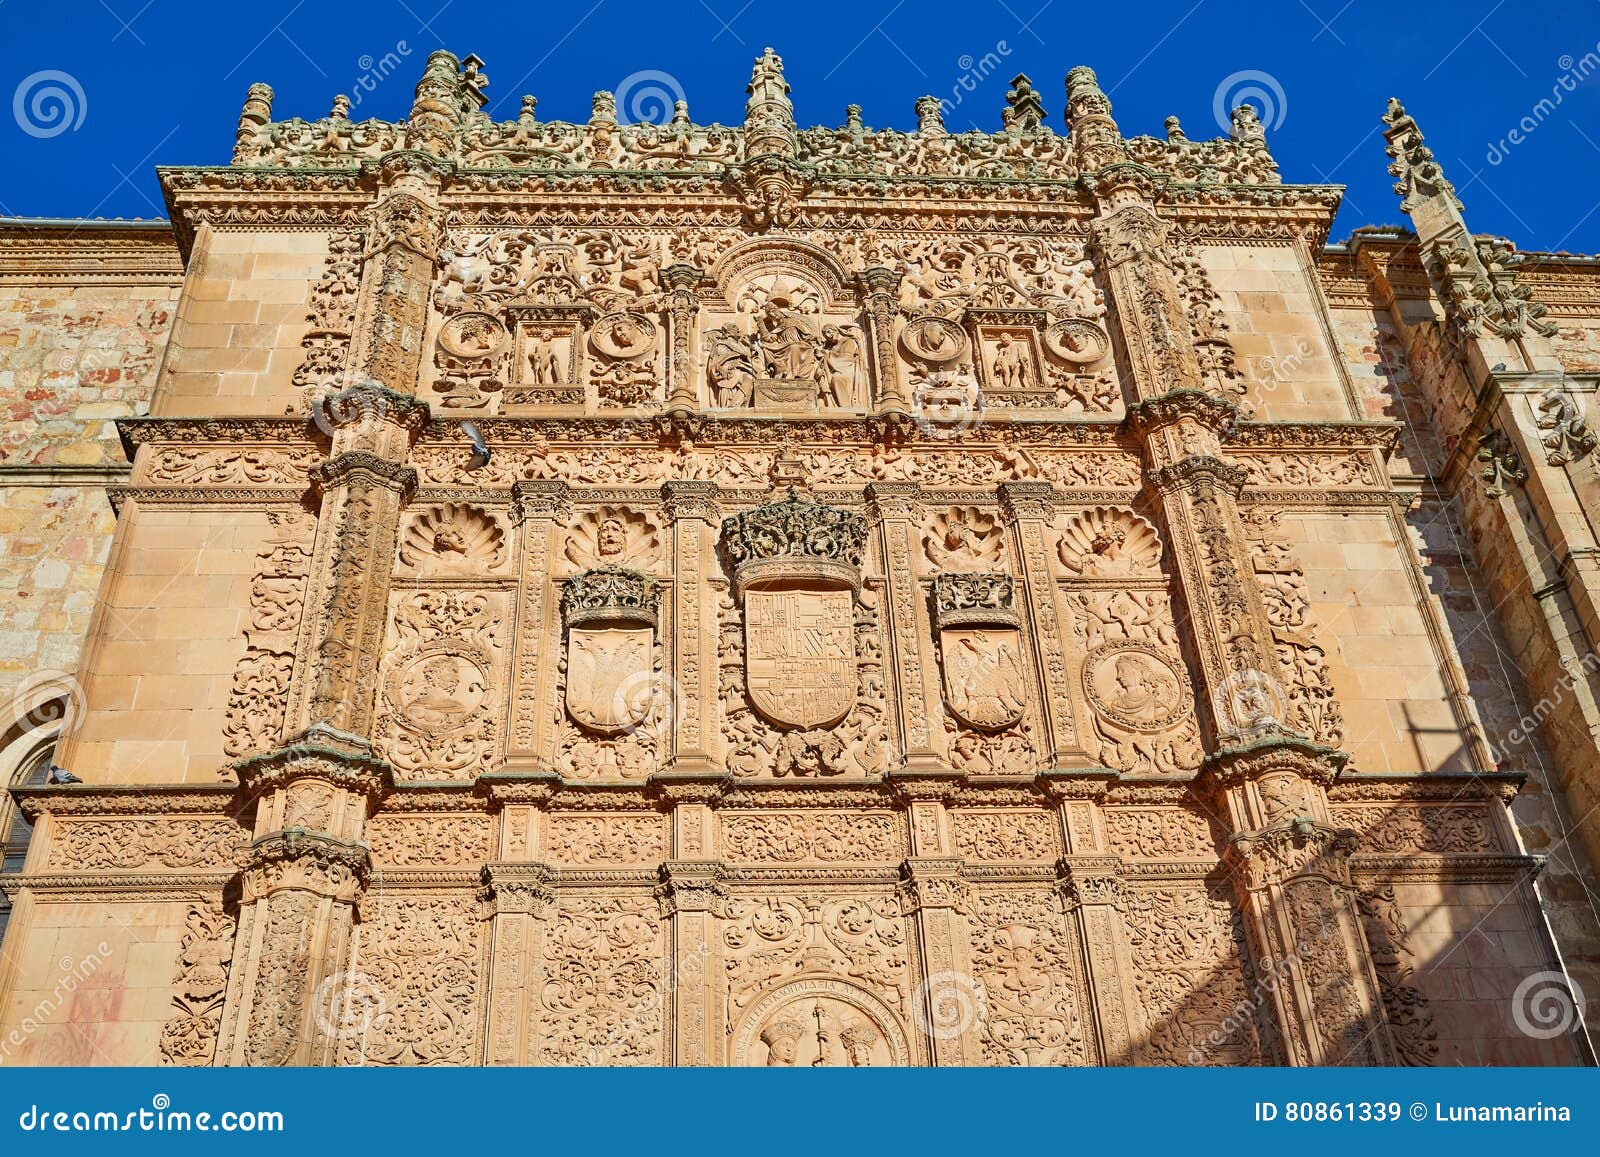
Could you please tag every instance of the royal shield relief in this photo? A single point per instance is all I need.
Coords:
(800, 655)
(983, 680)
(609, 677)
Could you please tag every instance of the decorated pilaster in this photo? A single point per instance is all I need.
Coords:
(1526, 439)
(1029, 507)
(303, 876)
(692, 507)
(540, 508)
(1182, 426)
(878, 287)
(893, 506)
(519, 897)
(692, 895)
(1094, 893)
(683, 306)
(934, 892)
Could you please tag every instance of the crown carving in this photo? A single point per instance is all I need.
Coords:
(795, 539)
(610, 594)
(975, 600)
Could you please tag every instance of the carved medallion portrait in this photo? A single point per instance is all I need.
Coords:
(623, 335)
(933, 339)
(1136, 686)
(1076, 341)
(438, 690)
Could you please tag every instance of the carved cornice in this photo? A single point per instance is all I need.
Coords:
(1440, 867)
(1369, 787)
(82, 799)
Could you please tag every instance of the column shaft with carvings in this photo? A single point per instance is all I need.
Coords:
(683, 307)
(1182, 427)
(1029, 507)
(879, 286)
(1093, 891)
(692, 507)
(935, 894)
(541, 508)
(894, 508)
(521, 897)
(692, 896)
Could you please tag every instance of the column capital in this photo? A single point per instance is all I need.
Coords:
(361, 464)
(1093, 879)
(541, 499)
(1028, 500)
(522, 888)
(1185, 404)
(308, 862)
(371, 401)
(686, 499)
(934, 882)
(320, 752)
(1291, 848)
(886, 500)
(692, 886)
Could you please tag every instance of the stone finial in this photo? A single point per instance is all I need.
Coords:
(436, 109)
(603, 108)
(680, 114)
(474, 80)
(530, 105)
(930, 116)
(769, 127)
(341, 108)
(852, 119)
(1175, 131)
(1418, 176)
(1024, 110)
(256, 114)
(1096, 140)
(1245, 125)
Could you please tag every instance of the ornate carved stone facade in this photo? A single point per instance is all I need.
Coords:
(698, 594)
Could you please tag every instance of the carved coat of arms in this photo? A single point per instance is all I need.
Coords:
(980, 649)
(609, 678)
(800, 655)
(610, 613)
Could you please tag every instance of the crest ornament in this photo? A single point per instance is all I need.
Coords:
(797, 566)
(610, 615)
(980, 649)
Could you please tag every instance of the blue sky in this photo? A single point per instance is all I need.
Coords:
(161, 81)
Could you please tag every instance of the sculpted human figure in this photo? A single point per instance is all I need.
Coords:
(1139, 692)
(546, 366)
(782, 1038)
(841, 364)
(1010, 364)
(434, 702)
(611, 539)
(788, 344)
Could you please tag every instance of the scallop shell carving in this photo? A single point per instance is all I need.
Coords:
(453, 537)
(614, 536)
(965, 538)
(1109, 542)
